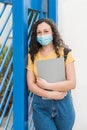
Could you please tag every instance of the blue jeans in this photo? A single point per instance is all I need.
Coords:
(53, 114)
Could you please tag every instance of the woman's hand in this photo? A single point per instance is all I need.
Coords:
(42, 83)
(56, 95)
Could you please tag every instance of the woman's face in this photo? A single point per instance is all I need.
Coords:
(43, 29)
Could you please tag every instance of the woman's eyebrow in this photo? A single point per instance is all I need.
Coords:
(43, 29)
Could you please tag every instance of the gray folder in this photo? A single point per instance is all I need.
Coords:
(52, 70)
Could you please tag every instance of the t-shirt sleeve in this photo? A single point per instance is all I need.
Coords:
(69, 58)
(30, 65)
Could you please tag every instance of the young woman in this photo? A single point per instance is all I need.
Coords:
(55, 111)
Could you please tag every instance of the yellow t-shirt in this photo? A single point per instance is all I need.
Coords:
(32, 66)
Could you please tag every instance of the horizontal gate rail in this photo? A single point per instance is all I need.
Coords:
(6, 1)
(41, 5)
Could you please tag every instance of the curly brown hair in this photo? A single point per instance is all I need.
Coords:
(34, 46)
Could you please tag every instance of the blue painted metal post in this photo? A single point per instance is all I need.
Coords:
(53, 10)
(20, 92)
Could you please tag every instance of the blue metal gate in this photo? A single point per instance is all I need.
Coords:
(15, 33)
(6, 60)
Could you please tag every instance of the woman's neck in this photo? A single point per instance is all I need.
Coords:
(45, 50)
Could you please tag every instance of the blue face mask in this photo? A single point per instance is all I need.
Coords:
(45, 39)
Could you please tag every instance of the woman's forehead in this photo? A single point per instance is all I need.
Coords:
(43, 26)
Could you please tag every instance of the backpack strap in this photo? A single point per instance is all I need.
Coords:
(66, 51)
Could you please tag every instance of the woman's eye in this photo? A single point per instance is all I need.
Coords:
(46, 31)
(38, 32)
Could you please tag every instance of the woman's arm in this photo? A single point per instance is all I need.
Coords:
(68, 84)
(33, 87)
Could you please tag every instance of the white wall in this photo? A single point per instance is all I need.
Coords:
(72, 23)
